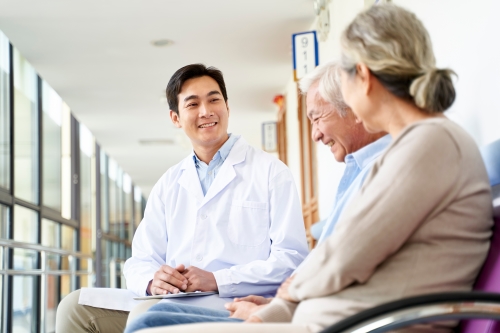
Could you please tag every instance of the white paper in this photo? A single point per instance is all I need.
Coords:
(123, 299)
(108, 298)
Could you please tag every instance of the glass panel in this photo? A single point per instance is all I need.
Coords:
(68, 238)
(24, 309)
(114, 219)
(51, 233)
(137, 206)
(52, 106)
(4, 223)
(66, 285)
(25, 130)
(86, 208)
(68, 242)
(128, 200)
(66, 179)
(106, 256)
(25, 230)
(52, 301)
(51, 237)
(104, 193)
(4, 112)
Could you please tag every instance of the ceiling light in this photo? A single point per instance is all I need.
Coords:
(161, 42)
(155, 142)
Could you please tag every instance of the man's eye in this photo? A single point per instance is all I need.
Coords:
(215, 99)
(191, 105)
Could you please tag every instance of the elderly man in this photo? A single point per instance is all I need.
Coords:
(335, 126)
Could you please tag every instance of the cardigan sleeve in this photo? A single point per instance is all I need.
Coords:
(405, 187)
(278, 311)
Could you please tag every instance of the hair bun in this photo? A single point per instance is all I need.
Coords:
(434, 91)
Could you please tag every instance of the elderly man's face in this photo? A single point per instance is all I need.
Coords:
(341, 134)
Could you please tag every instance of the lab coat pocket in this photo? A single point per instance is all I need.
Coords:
(248, 222)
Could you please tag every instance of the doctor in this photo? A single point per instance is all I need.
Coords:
(227, 218)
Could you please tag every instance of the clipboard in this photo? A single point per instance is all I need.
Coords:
(179, 295)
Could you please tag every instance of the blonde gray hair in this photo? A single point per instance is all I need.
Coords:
(328, 76)
(393, 43)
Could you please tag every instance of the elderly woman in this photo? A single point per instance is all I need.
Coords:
(422, 220)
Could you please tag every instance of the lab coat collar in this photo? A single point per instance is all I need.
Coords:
(190, 181)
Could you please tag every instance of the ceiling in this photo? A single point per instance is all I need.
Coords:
(98, 56)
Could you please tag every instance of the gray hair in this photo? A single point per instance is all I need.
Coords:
(328, 76)
(397, 49)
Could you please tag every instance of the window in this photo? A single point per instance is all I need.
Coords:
(127, 207)
(87, 209)
(25, 287)
(25, 130)
(4, 112)
(52, 106)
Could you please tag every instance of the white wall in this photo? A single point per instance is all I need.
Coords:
(465, 38)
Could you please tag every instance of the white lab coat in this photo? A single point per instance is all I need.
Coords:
(248, 228)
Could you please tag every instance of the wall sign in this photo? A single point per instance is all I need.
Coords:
(305, 53)
(269, 137)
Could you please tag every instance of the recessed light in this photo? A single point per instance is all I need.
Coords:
(156, 142)
(161, 42)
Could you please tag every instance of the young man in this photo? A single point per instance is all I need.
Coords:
(227, 218)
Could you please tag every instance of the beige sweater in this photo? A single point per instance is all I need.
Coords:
(420, 224)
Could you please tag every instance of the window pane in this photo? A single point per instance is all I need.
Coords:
(52, 301)
(104, 193)
(106, 256)
(68, 238)
(128, 200)
(4, 112)
(87, 210)
(66, 178)
(114, 174)
(24, 309)
(137, 206)
(25, 130)
(51, 233)
(52, 106)
(51, 237)
(25, 230)
(4, 222)
(68, 242)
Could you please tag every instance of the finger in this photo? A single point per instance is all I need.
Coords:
(163, 288)
(180, 268)
(231, 306)
(173, 272)
(165, 277)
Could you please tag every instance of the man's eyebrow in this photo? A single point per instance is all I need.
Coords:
(311, 113)
(191, 97)
(213, 92)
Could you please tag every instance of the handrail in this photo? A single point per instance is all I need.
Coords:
(36, 247)
(45, 271)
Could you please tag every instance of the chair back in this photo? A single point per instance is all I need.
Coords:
(489, 277)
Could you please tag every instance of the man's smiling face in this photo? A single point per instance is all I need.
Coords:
(203, 113)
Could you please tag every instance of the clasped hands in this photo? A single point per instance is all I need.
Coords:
(174, 280)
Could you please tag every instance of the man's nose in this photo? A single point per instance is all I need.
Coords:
(205, 110)
(315, 133)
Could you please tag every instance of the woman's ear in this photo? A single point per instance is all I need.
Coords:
(174, 116)
(365, 76)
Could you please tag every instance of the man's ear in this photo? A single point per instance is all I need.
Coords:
(365, 76)
(227, 106)
(174, 116)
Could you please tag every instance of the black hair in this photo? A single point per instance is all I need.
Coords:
(188, 72)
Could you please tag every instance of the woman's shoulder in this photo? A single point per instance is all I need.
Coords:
(438, 133)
